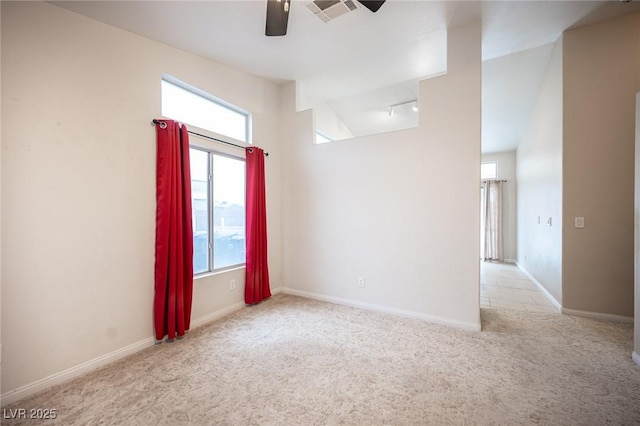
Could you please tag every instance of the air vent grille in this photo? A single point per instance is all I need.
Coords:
(351, 5)
(327, 10)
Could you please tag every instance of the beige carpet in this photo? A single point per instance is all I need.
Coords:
(294, 361)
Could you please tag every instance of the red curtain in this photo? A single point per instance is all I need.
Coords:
(257, 272)
(174, 232)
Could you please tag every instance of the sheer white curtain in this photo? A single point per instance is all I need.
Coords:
(492, 220)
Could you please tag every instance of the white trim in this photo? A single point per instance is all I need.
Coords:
(70, 373)
(635, 357)
(216, 100)
(544, 291)
(384, 309)
(85, 367)
(512, 261)
(220, 271)
(489, 162)
(586, 314)
(598, 316)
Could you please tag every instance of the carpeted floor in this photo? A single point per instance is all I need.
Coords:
(295, 361)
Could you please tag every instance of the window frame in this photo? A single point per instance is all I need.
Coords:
(248, 127)
(495, 163)
(211, 152)
(200, 141)
(209, 211)
(324, 136)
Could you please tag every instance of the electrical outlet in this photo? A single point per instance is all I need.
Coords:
(361, 282)
(232, 285)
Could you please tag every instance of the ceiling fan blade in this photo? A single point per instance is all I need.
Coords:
(277, 17)
(372, 5)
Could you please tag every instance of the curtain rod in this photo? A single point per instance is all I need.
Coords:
(485, 181)
(154, 121)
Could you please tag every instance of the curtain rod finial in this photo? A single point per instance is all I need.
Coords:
(162, 124)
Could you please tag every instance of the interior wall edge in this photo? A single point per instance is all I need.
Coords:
(544, 291)
(598, 316)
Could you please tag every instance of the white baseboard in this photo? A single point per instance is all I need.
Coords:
(510, 261)
(544, 291)
(73, 372)
(598, 316)
(55, 379)
(384, 309)
(559, 307)
(635, 357)
(217, 315)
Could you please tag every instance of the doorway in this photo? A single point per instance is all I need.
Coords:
(501, 167)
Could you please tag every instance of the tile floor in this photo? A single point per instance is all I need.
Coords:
(504, 286)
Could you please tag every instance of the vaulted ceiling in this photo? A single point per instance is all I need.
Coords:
(365, 57)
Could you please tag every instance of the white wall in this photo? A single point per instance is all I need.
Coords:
(78, 188)
(539, 177)
(399, 209)
(507, 171)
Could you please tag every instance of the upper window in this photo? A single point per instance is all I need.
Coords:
(322, 138)
(489, 170)
(193, 106)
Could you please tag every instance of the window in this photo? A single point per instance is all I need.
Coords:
(322, 138)
(489, 170)
(217, 195)
(200, 190)
(190, 105)
(217, 180)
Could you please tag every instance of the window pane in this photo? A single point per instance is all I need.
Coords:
(321, 138)
(229, 212)
(185, 106)
(488, 170)
(200, 209)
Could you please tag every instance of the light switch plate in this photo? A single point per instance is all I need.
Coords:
(579, 222)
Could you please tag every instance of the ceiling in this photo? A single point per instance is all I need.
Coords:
(365, 58)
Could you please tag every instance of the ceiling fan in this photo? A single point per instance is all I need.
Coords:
(278, 12)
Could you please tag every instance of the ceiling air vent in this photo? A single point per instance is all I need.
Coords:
(328, 10)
